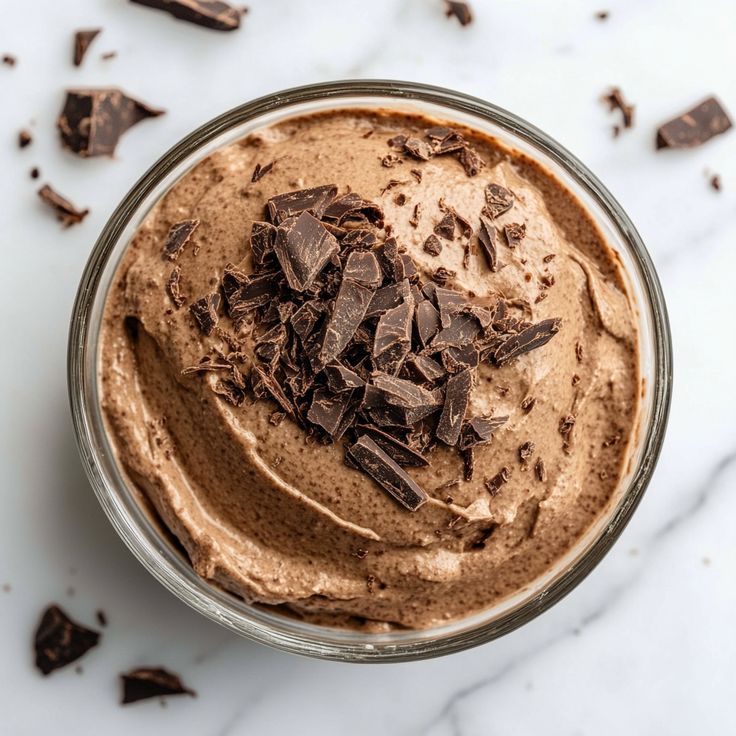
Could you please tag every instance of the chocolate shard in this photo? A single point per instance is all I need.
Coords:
(424, 369)
(230, 391)
(515, 232)
(388, 256)
(397, 450)
(214, 14)
(178, 236)
(151, 682)
(350, 308)
(418, 149)
(487, 239)
(262, 239)
(66, 212)
(479, 430)
(340, 378)
(494, 484)
(463, 329)
(459, 10)
(442, 275)
(445, 228)
(363, 267)
(357, 239)
(93, 120)
(615, 101)
(303, 248)
(204, 311)
(314, 200)
(327, 410)
(82, 41)
(267, 385)
(376, 463)
(418, 402)
(528, 339)
(353, 208)
(470, 160)
(449, 303)
(432, 245)
(389, 297)
(59, 641)
(457, 397)
(695, 126)
(427, 320)
(305, 319)
(173, 287)
(260, 171)
(456, 359)
(392, 341)
(498, 200)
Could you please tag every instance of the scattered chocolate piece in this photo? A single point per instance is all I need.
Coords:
(417, 174)
(108, 55)
(418, 149)
(260, 171)
(204, 311)
(400, 199)
(479, 431)
(9, 60)
(442, 275)
(314, 200)
(387, 473)
(445, 228)
(414, 221)
(715, 182)
(515, 232)
(24, 139)
(173, 287)
(602, 15)
(392, 341)
(459, 10)
(393, 447)
(528, 404)
(178, 236)
(101, 617)
(487, 239)
(498, 200)
(579, 352)
(59, 641)
(526, 451)
(35, 172)
(457, 397)
(494, 484)
(432, 245)
(340, 378)
(540, 471)
(526, 340)
(549, 257)
(567, 423)
(93, 120)
(82, 41)
(694, 127)
(615, 100)
(66, 212)
(151, 682)
(214, 14)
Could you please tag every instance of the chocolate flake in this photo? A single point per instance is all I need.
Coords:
(694, 127)
(393, 447)
(178, 236)
(493, 485)
(515, 232)
(260, 171)
(314, 200)
(566, 425)
(387, 473)
(498, 200)
(526, 340)
(59, 641)
(487, 239)
(540, 471)
(82, 41)
(24, 139)
(214, 14)
(417, 174)
(35, 172)
(432, 245)
(479, 430)
(363, 267)
(66, 212)
(414, 221)
(528, 404)
(340, 378)
(392, 341)
(173, 286)
(445, 228)
(459, 10)
(615, 100)
(457, 397)
(427, 321)
(327, 410)
(350, 308)
(204, 311)
(526, 451)
(715, 182)
(151, 682)
(442, 275)
(93, 120)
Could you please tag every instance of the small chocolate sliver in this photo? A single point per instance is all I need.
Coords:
(498, 200)
(459, 10)
(615, 101)
(101, 617)
(427, 321)
(442, 275)
(540, 471)
(24, 139)
(526, 340)
(418, 149)
(393, 447)
(445, 228)
(327, 410)
(204, 311)
(260, 171)
(173, 287)
(363, 267)
(526, 451)
(214, 14)
(82, 41)
(487, 239)
(178, 236)
(59, 641)
(479, 430)
(494, 484)
(340, 378)
(392, 340)
(151, 682)
(314, 200)
(387, 473)
(457, 397)
(93, 120)
(694, 127)
(715, 182)
(515, 232)
(66, 212)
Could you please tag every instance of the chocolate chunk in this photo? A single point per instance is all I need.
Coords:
(449, 303)
(479, 431)
(695, 126)
(151, 682)
(59, 641)
(566, 425)
(359, 239)
(173, 287)
(487, 239)
(393, 447)
(314, 200)
(9, 60)
(432, 245)
(388, 297)
(498, 200)
(305, 319)
(353, 208)
(526, 451)
(417, 174)
(260, 171)
(35, 172)
(387, 473)
(178, 236)
(466, 229)
(424, 369)
(392, 341)
(303, 248)
(459, 10)
(494, 484)
(427, 321)
(82, 41)
(414, 220)
(442, 275)
(526, 340)
(24, 139)
(456, 359)
(362, 266)
(204, 311)
(327, 410)
(350, 308)
(457, 397)
(415, 401)
(66, 212)
(93, 120)
(400, 199)
(230, 391)
(615, 100)
(540, 471)
(214, 14)
(445, 228)
(262, 239)
(528, 404)
(515, 232)
(340, 378)
(471, 160)
(463, 329)
(418, 149)
(246, 293)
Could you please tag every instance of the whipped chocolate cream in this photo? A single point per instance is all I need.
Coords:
(528, 427)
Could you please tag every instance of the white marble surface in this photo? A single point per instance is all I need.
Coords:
(646, 645)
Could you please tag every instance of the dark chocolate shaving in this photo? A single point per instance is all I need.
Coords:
(479, 431)
(260, 171)
(457, 397)
(392, 341)
(694, 127)
(214, 14)
(66, 212)
(204, 311)
(528, 339)
(487, 239)
(515, 232)
(59, 641)
(494, 484)
(151, 682)
(314, 200)
(82, 42)
(459, 10)
(615, 100)
(24, 139)
(178, 236)
(498, 200)
(445, 228)
(396, 449)
(173, 287)
(540, 471)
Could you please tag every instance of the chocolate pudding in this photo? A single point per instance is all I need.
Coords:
(370, 370)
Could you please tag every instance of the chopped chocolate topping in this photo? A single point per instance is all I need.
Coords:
(353, 208)
(101, 617)
(397, 450)
(540, 471)
(526, 340)
(414, 221)
(494, 484)
(695, 126)
(387, 473)
(363, 267)
(66, 212)
(108, 55)
(457, 397)
(715, 182)
(204, 311)
(392, 341)
(178, 236)
(526, 451)
(579, 352)
(35, 172)
(418, 149)
(470, 160)
(498, 200)
(82, 41)
(314, 200)
(615, 100)
(567, 423)
(528, 404)
(93, 120)
(400, 199)
(173, 287)
(432, 245)
(59, 641)
(340, 378)
(459, 10)
(487, 239)
(9, 60)
(417, 174)
(445, 228)
(24, 139)
(479, 431)
(151, 682)
(260, 171)
(515, 233)
(214, 14)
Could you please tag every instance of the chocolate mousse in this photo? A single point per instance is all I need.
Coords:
(370, 369)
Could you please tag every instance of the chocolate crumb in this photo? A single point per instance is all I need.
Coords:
(528, 404)
(9, 60)
(445, 228)
(204, 311)
(24, 139)
(59, 641)
(615, 101)
(549, 257)
(498, 200)
(417, 174)
(260, 171)
(515, 232)
(526, 451)
(414, 221)
(66, 212)
(151, 682)
(540, 471)
(459, 10)
(82, 41)
(101, 617)
(694, 127)
(432, 245)
(400, 199)
(108, 55)
(566, 425)
(579, 351)
(390, 160)
(494, 484)
(178, 236)
(575, 380)
(35, 172)
(602, 15)
(715, 182)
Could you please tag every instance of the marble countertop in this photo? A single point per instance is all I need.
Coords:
(646, 644)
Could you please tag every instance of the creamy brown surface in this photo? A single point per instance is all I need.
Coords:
(280, 521)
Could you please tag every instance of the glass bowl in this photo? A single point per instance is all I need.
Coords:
(145, 538)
